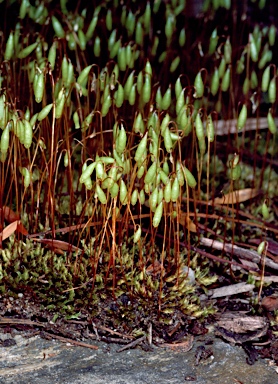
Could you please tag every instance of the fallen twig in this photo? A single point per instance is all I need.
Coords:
(238, 251)
(66, 340)
(132, 344)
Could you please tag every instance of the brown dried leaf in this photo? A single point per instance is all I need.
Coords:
(236, 196)
(187, 222)
(155, 268)
(58, 244)
(183, 346)
(270, 303)
(9, 230)
(9, 215)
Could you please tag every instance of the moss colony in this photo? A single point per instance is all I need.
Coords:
(114, 145)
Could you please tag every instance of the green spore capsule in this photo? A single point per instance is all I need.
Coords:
(182, 38)
(151, 173)
(146, 91)
(142, 146)
(175, 191)
(121, 140)
(137, 235)
(167, 192)
(265, 211)
(128, 85)
(158, 215)
(39, 87)
(123, 192)
(166, 100)
(134, 197)
(200, 133)
(57, 26)
(190, 179)
(119, 96)
(242, 117)
(215, 82)
(175, 63)
(272, 90)
(271, 123)
(101, 195)
(178, 87)
(266, 79)
(199, 86)
(26, 51)
(272, 35)
(132, 95)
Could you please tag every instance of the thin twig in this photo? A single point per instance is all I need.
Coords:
(132, 344)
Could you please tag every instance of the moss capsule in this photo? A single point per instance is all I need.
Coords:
(141, 148)
(272, 90)
(166, 100)
(57, 26)
(168, 142)
(121, 140)
(26, 51)
(86, 174)
(272, 34)
(128, 85)
(175, 191)
(39, 87)
(271, 123)
(215, 82)
(146, 91)
(123, 192)
(226, 80)
(199, 86)
(266, 79)
(190, 179)
(242, 117)
(92, 27)
(200, 133)
(101, 195)
(114, 190)
(119, 96)
(132, 95)
(28, 134)
(175, 63)
(153, 199)
(158, 215)
(106, 106)
(9, 51)
(97, 46)
(52, 54)
(262, 247)
(44, 112)
(265, 211)
(151, 173)
(137, 235)
(134, 197)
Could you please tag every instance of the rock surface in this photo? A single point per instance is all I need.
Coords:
(36, 360)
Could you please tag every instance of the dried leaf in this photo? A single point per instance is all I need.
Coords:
(236, 196)
(183, 346)
(187, 222)
(9, 215)
(270, 303)
(22, 229)
(9, 230)
(155, 268)
(58, 244)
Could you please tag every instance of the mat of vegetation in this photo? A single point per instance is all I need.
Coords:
(138, 170)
